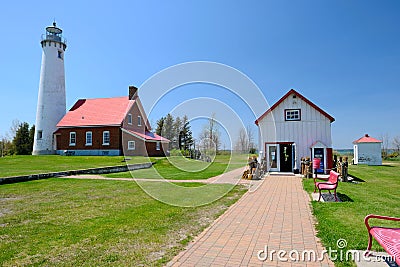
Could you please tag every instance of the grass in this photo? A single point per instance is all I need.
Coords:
(24, 165)
(180, 168)
(69, 222)
(379, 194)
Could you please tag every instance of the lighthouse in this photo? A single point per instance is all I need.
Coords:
(51, 103)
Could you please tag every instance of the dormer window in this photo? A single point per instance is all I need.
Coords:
(292, 114)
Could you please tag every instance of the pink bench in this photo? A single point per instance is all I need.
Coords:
(331, 184)
(387, 237)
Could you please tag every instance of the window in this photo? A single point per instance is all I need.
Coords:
(292, 114)
(39, 134)
(158, 147)
(106, 138)
(139, 121)
(129, 118)
(72, 138)
(88, 138)
(60, 54)
(131, 145)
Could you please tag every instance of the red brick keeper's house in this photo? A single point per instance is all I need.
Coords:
(108, 126)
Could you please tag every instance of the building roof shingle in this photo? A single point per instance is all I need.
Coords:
(367, 139)
(97, 112)
(147, 136)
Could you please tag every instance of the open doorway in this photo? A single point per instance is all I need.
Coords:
(286, 157)
(280, 157)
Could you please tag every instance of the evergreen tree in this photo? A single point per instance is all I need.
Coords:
(168, 129)
(160, 125)
(186, 133)
(22, 141)
(31, 137)
(177, 130)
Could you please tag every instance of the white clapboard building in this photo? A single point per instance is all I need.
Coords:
(294, 127)
(367, 150)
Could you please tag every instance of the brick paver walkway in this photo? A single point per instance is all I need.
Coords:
(277, 216)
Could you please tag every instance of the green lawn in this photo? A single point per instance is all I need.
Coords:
(70, 222)
(23, 165)
(180, 168)
(379, 194)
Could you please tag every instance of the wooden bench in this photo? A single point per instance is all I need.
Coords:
(387, 237)
(331, 184)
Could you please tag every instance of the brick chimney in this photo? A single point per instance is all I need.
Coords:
(132, 92)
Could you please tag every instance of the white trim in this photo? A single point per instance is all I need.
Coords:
(131, 147)
(70, 138)
(104, 143)
(277, 157)
(91, 138)
(129, 119)
(293, 114)
(319, 144)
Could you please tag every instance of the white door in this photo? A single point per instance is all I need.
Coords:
(273, 157)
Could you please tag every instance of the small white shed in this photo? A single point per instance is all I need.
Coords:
(367, 150)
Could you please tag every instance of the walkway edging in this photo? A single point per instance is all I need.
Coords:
(100, 170)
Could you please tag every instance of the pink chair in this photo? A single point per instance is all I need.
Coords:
(331, 184)
(387, 237)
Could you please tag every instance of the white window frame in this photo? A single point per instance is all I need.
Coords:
(293, 114)
(129, 118)
(158, 146)
(72, 139)
(105, 133)
(131, 145)
(139, 121)
(89, 133)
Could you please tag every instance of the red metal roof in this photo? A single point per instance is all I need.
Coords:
(97, 112)
(292, 91)
(148, 136)
(367, 139)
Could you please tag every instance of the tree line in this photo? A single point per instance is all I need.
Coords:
(388, 142)
(177, 130)
(245, 142)
(19, 139)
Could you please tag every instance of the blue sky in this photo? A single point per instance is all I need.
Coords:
(342, 55)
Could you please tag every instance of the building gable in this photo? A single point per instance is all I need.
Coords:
(292, 109)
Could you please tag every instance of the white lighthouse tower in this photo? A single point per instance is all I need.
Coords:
(51, 103)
